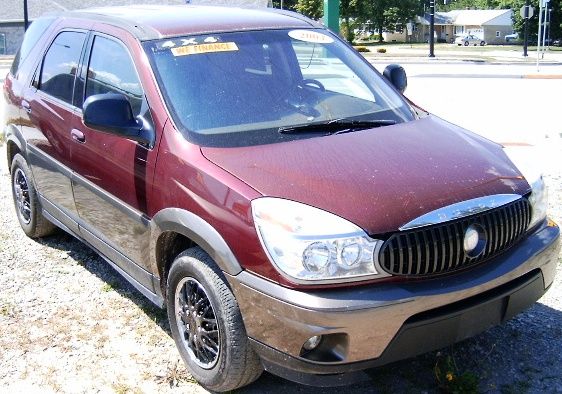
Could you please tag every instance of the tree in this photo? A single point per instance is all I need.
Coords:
(287, 4)
(392, 15)
(314, 9)
(351, 10)
(555, 19)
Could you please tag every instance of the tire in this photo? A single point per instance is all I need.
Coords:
(482, 43)
(26, 201)
(211, 308)
(466, 43)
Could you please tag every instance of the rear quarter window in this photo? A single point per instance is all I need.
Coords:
(32, 35)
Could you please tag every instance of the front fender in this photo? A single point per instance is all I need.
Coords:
(196, 229)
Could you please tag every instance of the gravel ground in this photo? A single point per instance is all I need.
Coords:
(69, 323)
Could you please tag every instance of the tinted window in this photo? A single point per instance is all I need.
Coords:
(60, 65)
(32, 35)
(111, 70)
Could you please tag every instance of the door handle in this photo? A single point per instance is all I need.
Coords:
(78, 136)
(25, 105)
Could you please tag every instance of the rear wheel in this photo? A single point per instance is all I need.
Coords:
(482, 43)
(466, 43)
(26, 201)
(207, 326)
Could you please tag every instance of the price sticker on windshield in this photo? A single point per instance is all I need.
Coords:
(311, 36)
(204, 48)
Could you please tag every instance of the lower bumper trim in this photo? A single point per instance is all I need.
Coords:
(424, 332)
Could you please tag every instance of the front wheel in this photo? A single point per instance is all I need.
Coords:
(207, 326)
(482, 43)
(466, 43)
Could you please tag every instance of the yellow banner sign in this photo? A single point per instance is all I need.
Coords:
(204, 48)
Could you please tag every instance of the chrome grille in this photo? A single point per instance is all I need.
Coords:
(439, 248)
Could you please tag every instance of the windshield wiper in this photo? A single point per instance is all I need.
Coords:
(337, 126)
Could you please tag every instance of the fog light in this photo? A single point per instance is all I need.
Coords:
(312, 342)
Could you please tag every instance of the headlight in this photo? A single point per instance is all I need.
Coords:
(309, 245)
(539, 201)
(526, 160)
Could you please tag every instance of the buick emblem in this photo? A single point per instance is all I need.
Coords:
(474, 240)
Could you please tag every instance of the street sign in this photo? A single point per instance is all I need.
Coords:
(530, 13)
(410, 28)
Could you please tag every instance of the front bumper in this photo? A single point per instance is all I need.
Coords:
(368, 326)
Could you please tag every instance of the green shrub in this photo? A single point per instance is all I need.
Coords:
(362, 49)
(381, 50)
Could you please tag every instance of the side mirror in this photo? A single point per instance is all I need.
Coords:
(396, 75)
(111, 113)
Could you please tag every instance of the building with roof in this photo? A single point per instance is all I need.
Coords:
(490, 25)
(12, 19)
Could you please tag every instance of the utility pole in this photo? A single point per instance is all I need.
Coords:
(541, 4)
(25, 16)
(545, 5)
(431, 28)
(526, 35)
(548, 23)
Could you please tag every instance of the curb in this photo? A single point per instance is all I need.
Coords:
(539, 76)
(374, 57)
(491, 76)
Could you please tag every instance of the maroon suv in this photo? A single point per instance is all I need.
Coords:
(250, 172)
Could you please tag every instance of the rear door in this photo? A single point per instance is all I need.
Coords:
(47, 114)
(113, 174)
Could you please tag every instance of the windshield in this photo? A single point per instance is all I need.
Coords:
(243, 88)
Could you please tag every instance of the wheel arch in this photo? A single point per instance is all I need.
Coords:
(14, 143)
(175, 230)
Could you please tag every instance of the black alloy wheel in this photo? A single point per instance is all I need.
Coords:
(26, 200)
(197, 323)
(21, 196)
(206, 324)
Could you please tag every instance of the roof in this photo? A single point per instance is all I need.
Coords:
(440, 19)
(155, 21)
(12, 10)
(470, 18)
(481, 17)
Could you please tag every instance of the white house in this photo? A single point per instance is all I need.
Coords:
(490, 25)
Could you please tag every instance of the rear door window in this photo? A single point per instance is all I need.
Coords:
(111, 70)
(61, 64)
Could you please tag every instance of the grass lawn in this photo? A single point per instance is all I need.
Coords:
(454, 47)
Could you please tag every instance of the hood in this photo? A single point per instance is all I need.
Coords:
(379, 179)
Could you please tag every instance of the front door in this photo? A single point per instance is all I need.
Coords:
(113, 174)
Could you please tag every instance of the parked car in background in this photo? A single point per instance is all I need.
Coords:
(469, 40)
(253, 174)
(557, 42)
(512, 37)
